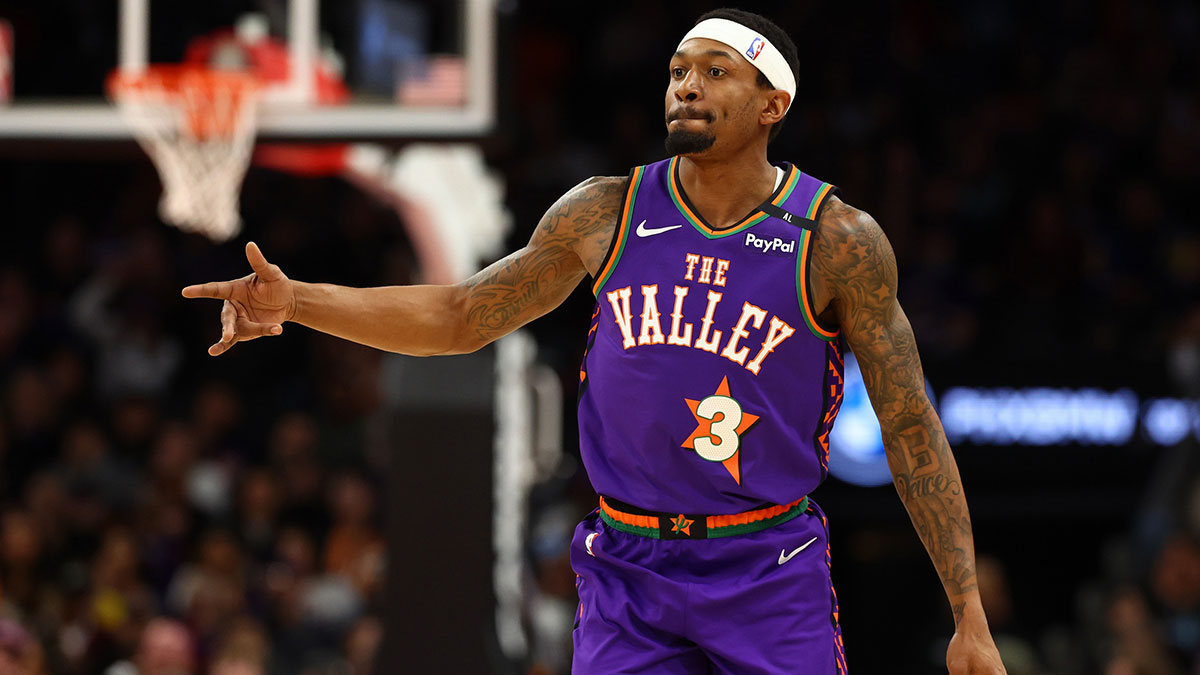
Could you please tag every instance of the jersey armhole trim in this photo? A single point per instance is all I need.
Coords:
(804, 265)
(621, 235)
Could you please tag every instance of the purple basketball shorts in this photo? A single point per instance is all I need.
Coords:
(749, 604)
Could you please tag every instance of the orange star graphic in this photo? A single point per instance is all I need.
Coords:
(704, 427)
(682, 524)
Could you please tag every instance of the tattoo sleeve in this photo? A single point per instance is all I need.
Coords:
(856, 262)
(426, 320)
(568, 243)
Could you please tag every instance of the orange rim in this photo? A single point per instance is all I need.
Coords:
(212, 100)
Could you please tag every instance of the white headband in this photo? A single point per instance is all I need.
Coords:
(755, 48)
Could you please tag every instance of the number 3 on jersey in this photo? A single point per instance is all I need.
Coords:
(720, 424)
(725, 415)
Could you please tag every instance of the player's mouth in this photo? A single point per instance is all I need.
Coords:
(686, 114)
(686, 120)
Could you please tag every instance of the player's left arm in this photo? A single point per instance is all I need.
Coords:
(855, 267)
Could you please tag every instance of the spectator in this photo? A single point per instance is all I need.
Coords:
(166, 518)
(258, 512)
(1017, 652)
(1176, 583)
(355, 547)
(165, 648)
(21, 573)
(136, 355)
(211, 591)
(20, 653)
(244, 649)
(293, 447)
(89, 471)
(1137, 642)
(362, 645)
(120, 604)
(33, 424)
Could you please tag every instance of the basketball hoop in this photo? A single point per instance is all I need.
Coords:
(197, 124)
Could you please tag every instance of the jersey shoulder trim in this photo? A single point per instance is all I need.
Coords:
(621, 235)
(804, 263)
(820, 197)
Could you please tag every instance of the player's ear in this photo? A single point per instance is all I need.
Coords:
(775, 107)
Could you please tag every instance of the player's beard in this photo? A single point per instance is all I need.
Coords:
(680, 142)
(683, 142)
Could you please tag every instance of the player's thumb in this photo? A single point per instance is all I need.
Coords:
(258, 262)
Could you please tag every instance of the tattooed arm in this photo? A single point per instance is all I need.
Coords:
(854, 278)
(569, 243)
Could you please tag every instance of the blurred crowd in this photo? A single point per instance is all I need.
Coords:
(1031, 162)
(161, 513)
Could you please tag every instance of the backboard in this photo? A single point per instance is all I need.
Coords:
(410, 68)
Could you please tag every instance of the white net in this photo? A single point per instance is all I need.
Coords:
(198, 127)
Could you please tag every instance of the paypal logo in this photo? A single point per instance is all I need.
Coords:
(774, 246)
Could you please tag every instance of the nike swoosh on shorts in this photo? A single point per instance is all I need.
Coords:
(784, 558)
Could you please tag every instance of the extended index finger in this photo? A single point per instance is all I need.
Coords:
(221, 290)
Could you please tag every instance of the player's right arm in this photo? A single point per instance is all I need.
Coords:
(569, 243)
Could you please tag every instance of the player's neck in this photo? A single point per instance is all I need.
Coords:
(725, 189)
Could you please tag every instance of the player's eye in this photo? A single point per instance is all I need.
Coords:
(715, 71)
(677, 72)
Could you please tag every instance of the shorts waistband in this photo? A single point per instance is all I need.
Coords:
(665, 525)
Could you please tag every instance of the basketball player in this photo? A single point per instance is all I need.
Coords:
(725, 289)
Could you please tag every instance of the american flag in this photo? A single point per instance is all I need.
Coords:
(434, 80)
(6, 62)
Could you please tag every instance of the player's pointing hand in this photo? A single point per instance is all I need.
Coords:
(255, 305)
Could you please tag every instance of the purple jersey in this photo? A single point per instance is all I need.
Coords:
(708, 384)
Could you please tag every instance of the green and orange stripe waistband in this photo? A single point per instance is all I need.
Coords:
(664, 525)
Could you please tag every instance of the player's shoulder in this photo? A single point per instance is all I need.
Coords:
(839, 221)
(849, 240)
(588, 207)
(599, 190)
(584, 219)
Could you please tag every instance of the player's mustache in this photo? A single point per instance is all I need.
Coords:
(689, 114)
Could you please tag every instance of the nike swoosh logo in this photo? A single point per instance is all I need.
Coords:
(643, 231)
(784, 558)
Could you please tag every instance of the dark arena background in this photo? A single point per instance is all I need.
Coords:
(306, 505)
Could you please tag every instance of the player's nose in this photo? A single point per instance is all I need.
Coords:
(689, 88)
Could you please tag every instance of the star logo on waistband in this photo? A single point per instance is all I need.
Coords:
(720, 424)
(682, 524)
